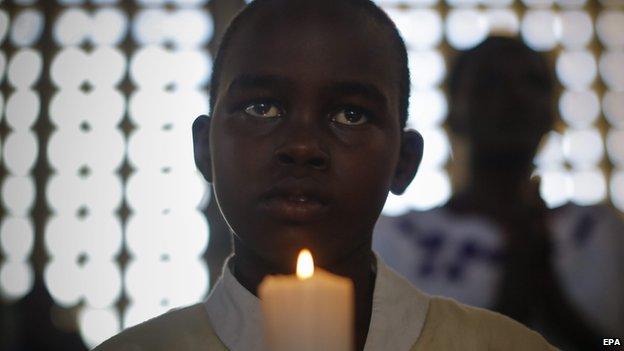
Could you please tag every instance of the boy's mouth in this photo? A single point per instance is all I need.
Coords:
(295, 200)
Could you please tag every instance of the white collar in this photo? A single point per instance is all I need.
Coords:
(398, 313)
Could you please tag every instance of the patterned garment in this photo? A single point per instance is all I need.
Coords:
(461, 256)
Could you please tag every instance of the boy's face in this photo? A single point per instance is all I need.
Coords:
(305, 137)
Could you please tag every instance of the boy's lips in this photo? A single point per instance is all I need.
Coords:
(295, 200)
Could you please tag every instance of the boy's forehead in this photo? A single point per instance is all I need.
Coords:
(314, 47)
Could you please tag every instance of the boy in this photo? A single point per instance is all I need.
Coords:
(304, 140)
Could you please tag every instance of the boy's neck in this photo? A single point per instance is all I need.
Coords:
(249, 269)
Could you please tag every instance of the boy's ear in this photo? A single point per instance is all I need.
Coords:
(201, 146)
(409, 159)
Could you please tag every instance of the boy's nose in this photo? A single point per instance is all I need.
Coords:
(302, 151)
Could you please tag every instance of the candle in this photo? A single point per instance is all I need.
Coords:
(312, 310)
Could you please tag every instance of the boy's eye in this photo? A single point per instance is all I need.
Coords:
(263, 110)
(350, 117)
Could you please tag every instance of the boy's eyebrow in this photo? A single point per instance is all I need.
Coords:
(251, 81)
(367, 90)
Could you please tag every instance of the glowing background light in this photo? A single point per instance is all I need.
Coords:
(154, 67)
(589, 187)
(99, 237)
(16, 279)
(27, 27)
(612, 69)
(22, 109)
(104, 26)
(396, 205)
(108, 26)
(427, 108)
(540, 29)
(162, 285)
(576, 29)
(496, 3)
(613, 107)
(72, 67)
(62, 279)
(551, 153)
(83, 235)
(77, 111)
(463, 3)
(69, 68)
(100, 150)
(96, 194)
(97, 325)
(420, 28)
(193, 68)
(555, 187)
(610, 29)
(573, 4)
(465, 28)
(576, 69)
(617, 189)
(437, 151)
(151, 66)
(166, 235)
(615, 147)
(583, 148)
(158, 236)
(102, 283)
(579, 109)
(18, 195)
(113, 67)
(188, 28)
(82, 265)
(141, 191)
(502, 21)
(20, 152)
(161, 151)
(538, 3)
(16, 238)
(427, 68)
(429, 189)
(24, 68)
(71, 27)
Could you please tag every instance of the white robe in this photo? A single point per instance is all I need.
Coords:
(403, 318)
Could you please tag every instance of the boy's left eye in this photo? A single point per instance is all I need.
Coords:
(350, 116)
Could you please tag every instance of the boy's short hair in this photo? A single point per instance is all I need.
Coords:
(367, 7)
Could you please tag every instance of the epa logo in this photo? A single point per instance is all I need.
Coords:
(611, 342)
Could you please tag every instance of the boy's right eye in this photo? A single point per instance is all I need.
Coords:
(263, 110)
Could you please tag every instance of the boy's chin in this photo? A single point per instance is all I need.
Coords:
(281, 251)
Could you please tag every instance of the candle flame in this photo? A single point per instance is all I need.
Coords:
(305, 265)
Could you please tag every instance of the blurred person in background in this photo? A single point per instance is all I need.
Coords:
(495, 244)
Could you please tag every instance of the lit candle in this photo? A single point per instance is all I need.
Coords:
(310, 311)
